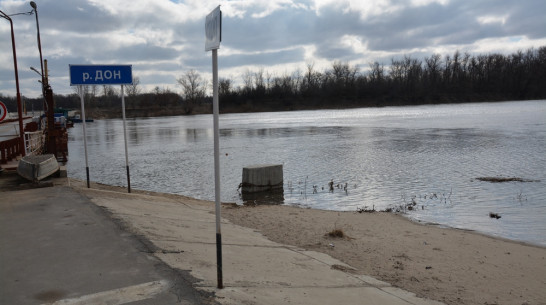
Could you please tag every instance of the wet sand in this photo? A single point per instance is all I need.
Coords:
(449, 265)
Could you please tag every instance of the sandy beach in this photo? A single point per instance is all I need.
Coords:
(444, 264)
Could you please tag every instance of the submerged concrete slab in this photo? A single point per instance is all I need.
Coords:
(262, 177)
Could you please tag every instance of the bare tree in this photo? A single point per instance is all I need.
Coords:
(433, 70)
(311, 80)
(193, 86)
(108, 91)
(224, 86)
(247, 80)
(133, 89)
(268, 77)
(94, 90)
(297, 79)
(377, 72)
(259, 84)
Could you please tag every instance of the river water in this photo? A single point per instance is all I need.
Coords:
(429, 156)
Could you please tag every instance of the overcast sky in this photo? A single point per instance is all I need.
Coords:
(163, 39)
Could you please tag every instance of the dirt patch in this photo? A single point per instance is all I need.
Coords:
(50, 296)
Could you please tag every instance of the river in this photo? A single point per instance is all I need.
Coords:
(381, 158)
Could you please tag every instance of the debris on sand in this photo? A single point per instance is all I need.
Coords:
(494, 215)
(504, 179)
(365, 209)
(337, 233)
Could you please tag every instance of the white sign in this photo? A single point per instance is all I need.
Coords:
(213, 29)
(3, 111)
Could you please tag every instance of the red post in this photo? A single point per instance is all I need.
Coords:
(19, 107)
(50, 116)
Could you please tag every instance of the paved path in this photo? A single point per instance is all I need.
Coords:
(57, 246)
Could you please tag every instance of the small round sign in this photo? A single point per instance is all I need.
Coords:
(3, 111)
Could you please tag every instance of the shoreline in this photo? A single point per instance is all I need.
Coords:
(152, 112)
(451, 265)
(405, 216)
(477, 232)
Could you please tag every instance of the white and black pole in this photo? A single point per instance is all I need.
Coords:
(215, 110)
(82, 97)
(125, 138)
(213, 36)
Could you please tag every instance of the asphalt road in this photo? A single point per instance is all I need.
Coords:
(57, 246)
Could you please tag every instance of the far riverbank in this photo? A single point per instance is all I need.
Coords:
(275, 105)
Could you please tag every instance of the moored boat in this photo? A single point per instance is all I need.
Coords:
(38, 167)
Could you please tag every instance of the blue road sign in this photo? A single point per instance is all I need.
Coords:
(101, 75)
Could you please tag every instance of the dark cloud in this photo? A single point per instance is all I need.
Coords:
(454, 24)
(331, 52)
(164, 39)
(263, 59)
(163, 66)
(160, 80)
(138, 52)
(78, 16)
(528, 20)
(281, 29)
(6, 75)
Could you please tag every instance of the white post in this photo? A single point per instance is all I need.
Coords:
(216, 111)
(125, 138)
(82, 97)
(213, 37)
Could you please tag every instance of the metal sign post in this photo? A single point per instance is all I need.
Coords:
(82, 98)
(213, 34)
(102, 75)
(125, 139)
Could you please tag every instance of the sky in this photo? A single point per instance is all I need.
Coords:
(164, 39)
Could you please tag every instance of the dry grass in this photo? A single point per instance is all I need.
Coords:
(336, 233)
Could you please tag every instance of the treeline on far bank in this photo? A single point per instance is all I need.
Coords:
(405, 81)
(453, 78)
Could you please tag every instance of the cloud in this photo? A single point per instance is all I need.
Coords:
(162, 39)
(264, 58)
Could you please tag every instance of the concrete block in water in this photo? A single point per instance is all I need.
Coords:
(62, 172)
(263, 177)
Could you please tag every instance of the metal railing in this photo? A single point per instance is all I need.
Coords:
(34, 142)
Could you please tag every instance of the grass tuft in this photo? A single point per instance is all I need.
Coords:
(336, 233)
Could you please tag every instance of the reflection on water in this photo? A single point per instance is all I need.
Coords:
(387, 157)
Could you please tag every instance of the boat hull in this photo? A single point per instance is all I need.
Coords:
(39, 167)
